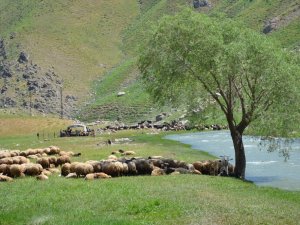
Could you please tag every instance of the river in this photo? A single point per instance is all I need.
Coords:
(263, 167)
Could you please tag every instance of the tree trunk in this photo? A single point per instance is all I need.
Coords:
(240, 157)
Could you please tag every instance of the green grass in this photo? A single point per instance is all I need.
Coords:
(182, 199)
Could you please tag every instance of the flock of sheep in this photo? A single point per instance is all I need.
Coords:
(14, 164)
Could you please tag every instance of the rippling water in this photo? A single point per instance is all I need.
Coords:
(263, 167)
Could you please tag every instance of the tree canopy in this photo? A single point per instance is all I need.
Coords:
(192, 57)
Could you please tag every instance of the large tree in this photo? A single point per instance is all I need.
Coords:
(191, 56)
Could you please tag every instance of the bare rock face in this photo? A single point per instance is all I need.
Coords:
(25, 85)
(23, 57)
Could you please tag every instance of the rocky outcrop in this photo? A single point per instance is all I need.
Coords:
(26, 85)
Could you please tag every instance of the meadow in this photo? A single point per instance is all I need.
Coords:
(181, 199)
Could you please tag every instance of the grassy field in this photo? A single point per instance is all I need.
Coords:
(182, 199)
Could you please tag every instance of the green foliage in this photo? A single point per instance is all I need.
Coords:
(191, 55)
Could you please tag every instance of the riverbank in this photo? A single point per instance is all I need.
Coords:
(182, 199)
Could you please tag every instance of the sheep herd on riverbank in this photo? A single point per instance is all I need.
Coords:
(52, 160)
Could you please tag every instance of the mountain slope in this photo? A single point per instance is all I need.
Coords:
(80, 39)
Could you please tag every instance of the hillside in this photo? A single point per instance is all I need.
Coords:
(78, 40)
(90, 47)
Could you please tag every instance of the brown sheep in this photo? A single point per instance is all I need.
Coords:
(63, 159)
(65, 169)
(4, 178)
(72, 167)
(143, 166)
(54, 170)
(44, 162)
(4, 154)
(42, 177)
(53, 150)
(53, 161)
(82, 169)
(101, 175)
(90, 176)
(112, 168)
(128, 153)
(16, 170)
(4, 168)
(112, 157)
(7, 160)
(71, 175)
(131, 168)
(157, 172)
(46, 172)
(96, 165)
(32, 169)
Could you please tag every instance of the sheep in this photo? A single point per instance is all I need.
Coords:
(4, 154)
(82, 169)
(53, 150)
(71, 175)
(72, 167)
(42, 177)
(32, 169)
(54, 170)
(204, 167)
(112, 157)
(112, 168)
(46, 172)
(7, 160)
(65, 169)
(90, 176)
(63, 159)
(143, 166)
(128, 153)
(52, 161)
(16, 170)
(4, 168)
(4, 178)
(131, 168)
(96, 165)
(101, 175)
(44, 162)
(157, 172)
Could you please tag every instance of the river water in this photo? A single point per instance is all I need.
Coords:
(263, 167)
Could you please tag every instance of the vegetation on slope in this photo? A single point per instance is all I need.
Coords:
(80, 39)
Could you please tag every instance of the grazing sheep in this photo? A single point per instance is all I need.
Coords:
(53, 161)
(65, 169)
(44, 162)
(90, 176)
(204, 167)
(101, 175)
(82, 169)
(46, 172)
(53, 150)
(4, 168)
(16, 170)
(71, 175)
(63, 159)
(54, 170)
(7, 160)
(170, 163)
(4, 178)
(112, 168)
(32, 169)
(72, 167)
(42, 177)
(95, 164)
(128, 153)
(4, 154)
(157, 172)
(143, 166)
(131, 168)
(112, 157)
